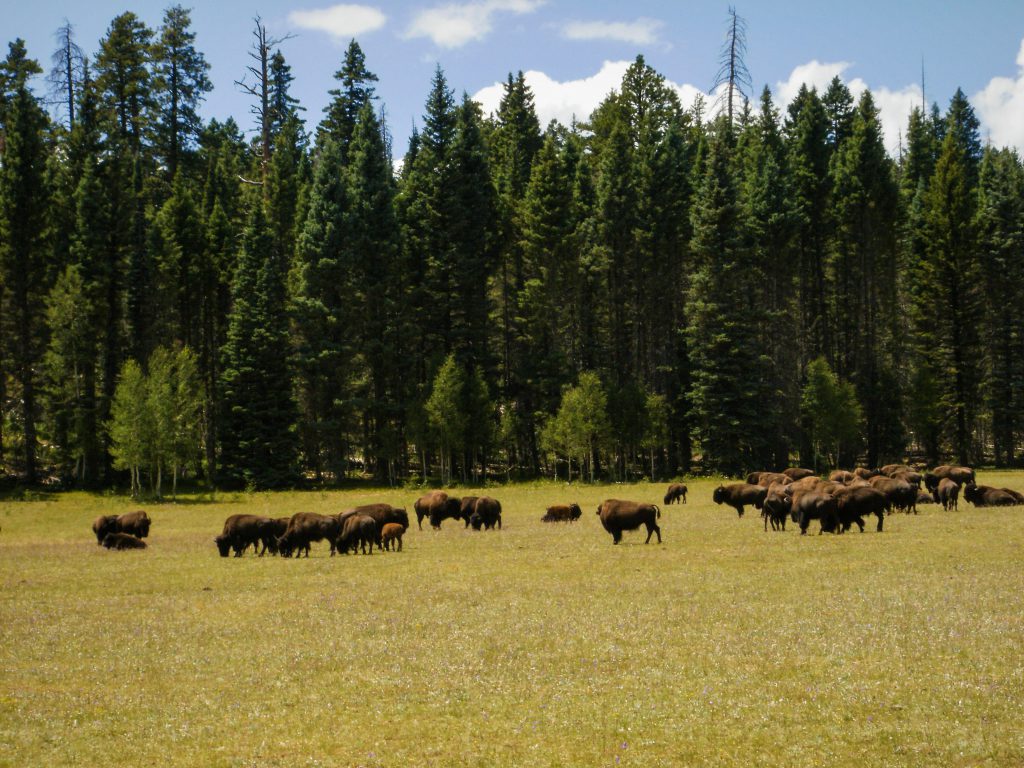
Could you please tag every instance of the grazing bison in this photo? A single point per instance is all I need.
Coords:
(959, 475)
(466, 508)
(122, 541)
(618, 516)
(676, 493)
(798, 473)
(841, 476)
(947, 494)
(357, 531)
(272, 531)
(476, 521)
(815, 505)
(738, 495)
(305, 528)
(562, 513)
(853, 504)
(987, 496)
(489, 512)
(135, 523)
(901, 495)
(239, 532)
(777, 506)
(437, 506)
(392, 532)
(382, 514)
(908, 476)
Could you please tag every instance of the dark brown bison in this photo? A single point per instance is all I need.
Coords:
(841, 476)
(358, 531)
(618, 516)
(815, 505)
(866, 474)
(798, 473)
(676, 493)
(562, 513)
(122, 541)
(901, 494)
(437, 506)
(890, 469)
(382, 514)
(767, 479)
(489, 512)
(392, 533)
(466, 508)
(908, 476)
(738, 495)
(239, 532)
(853, 504)
(959, 475)
(135, 523)
(272, 531)
(987, 496)
(812, 483)
(947, 494)
(777, 506)
(306, 527)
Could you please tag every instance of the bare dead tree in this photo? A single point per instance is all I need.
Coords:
(260, 90)
(66, 75)
(732, 70)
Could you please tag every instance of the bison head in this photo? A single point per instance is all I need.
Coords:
(575, 513)
(223, 545)
(718, 495)
(284, 546)
(476, 521)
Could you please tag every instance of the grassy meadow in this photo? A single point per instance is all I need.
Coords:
(537, 645)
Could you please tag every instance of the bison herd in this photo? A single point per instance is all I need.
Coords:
(844, 499)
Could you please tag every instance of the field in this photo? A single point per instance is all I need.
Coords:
(536, 645)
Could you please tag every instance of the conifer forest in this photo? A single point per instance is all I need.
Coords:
(288, 299)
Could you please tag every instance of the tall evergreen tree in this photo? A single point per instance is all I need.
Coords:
(347, 101)
(124, 80)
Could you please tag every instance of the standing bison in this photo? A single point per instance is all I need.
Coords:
(738, 495)
(959, 475)
(853, 504)
(133, 523)
(240, 531)
(489, 512)
(676, 493)
(798, 473)
(357, 531)
(305, 528)
(618, 516)
(562, 513)
(437, 506)
(392, 533)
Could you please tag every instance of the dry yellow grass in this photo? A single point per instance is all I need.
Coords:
(540, 645)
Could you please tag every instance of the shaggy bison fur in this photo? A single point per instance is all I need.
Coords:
(618, 516)
(798, 473)
(854, 504)
(135, 523)
(562, 513)
(305, 528)
(122, 541)
(987, 496)
(738, 495)
(357, 532)
(489, 512)
(676, 493)
(947, 494)
(392, 533)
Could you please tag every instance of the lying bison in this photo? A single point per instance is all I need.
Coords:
(562, 513)
(987, 496)
(676, 493)
(122, 541)
(134, 523)
(618, 516)
(489, 512)
(738, 495)
(306, 527)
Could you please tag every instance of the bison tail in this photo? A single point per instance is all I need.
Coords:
(657, 510)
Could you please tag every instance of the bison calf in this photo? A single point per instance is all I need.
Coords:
(392, 532)
(676, 493)
(562, 513)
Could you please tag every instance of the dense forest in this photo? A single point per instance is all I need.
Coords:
(654, 290)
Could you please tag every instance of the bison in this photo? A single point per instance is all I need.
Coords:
(489, 512)
(618, 516)
(738, 495)
(358, 531)
(798, 473)
(392, 532)
(562, 513)
(676, 493)
(959, 475)
(777, 505)
(305, 528)
(382, 514)
(135, 523)
(239, 532)
(466, 508)
(437, 506)
(891, 469)
(122, 541)
(901, 494)
(986, 496)
(815, 505)
(841, 476)
(853, 504)
(947, 494)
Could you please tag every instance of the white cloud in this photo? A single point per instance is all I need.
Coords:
(1000, 106)
(340, 21)
(453, 25)
(894, 106)
(562, 101)
(643, 31)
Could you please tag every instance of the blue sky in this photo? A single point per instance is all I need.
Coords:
(575, 51)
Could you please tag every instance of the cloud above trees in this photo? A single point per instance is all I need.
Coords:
(341, 22)
(455, 24)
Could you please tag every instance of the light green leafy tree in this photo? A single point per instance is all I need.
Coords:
(831, 412)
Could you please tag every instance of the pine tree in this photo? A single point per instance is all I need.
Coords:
(180, 257)
(123, 78)
(283, 106)
(258, 414)
(180, 84)
(24, 249)
(348, 101)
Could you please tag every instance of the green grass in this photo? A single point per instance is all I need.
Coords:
(539, 645)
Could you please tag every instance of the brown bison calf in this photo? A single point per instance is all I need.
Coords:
(392, 533)
(135, 523)
(947, 494)
(562, 513)
(123, 541)
(618, 516)
(738, 495)
(676, 493)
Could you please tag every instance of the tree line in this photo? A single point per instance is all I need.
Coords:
(652, 290)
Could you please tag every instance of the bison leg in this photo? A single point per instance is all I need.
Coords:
(881, 519)
(653, 528)
(399, 548)
(739, 510)
(616, 537)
